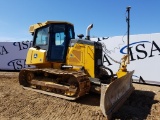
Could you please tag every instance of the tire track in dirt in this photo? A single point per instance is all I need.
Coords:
(17, 103)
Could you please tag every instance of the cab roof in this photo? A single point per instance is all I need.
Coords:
(38, 25)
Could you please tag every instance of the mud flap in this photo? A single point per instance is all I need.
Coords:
(115, 94)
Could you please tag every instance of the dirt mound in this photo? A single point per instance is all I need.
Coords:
(17, 103)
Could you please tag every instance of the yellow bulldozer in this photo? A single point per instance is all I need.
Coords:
(69, 67)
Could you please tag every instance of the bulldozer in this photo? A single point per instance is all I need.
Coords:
(69, 67)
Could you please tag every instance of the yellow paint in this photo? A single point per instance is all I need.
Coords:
(123, 67)
(81, 55)
(38, 25)
(89, 60)
(75, 55)
(121, 73)
(35, 56)
(38, 58)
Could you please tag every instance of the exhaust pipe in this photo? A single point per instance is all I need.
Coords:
(88, 31)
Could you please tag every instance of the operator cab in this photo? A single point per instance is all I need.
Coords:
(54, 37)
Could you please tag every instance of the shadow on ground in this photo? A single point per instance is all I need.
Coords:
(138, 106)
(92, 99)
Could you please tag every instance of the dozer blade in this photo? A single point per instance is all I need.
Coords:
(115, 94)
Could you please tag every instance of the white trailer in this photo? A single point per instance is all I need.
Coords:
(13, 54)
(144, 55)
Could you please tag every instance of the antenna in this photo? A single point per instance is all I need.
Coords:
(128, 30)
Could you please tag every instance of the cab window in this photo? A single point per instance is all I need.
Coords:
(42, 36)
(60, 36)
(71, 32)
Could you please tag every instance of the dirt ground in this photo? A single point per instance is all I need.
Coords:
(17, 103)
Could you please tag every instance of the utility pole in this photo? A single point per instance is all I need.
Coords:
(128, 31)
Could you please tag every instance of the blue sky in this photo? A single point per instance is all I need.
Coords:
(108, 16)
